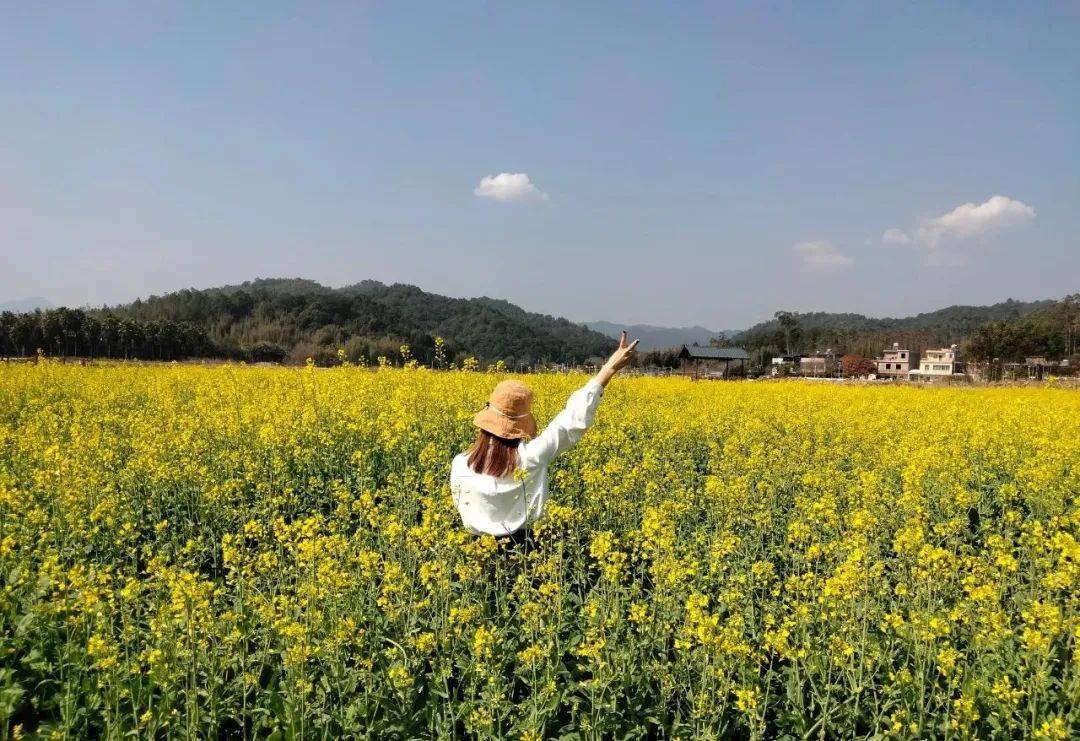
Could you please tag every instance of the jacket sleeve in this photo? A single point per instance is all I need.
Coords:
(563, 432)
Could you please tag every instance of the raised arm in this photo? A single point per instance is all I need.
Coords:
(563, 432)
(623, 354)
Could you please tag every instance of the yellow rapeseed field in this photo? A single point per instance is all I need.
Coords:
(243, 552)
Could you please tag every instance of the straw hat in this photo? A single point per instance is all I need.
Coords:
(508, 412)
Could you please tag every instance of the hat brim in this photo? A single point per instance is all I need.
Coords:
(489, 420)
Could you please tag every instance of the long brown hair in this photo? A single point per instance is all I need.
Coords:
(493, 455)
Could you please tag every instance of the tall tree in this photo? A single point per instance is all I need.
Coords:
(789, 323)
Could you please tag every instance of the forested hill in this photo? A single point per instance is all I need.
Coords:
(660, 338)
(817, 330)
(295, 319)
(306, 319)
(952, 320)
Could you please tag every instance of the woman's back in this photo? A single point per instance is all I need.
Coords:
(500, 484)
(499, 505)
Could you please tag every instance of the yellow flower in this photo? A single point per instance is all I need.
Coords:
(400, 678)
(1054, 729)
(531, 656)
(272, 534)
(1004, 691)
(102, 651)
(964, 713)
(425, 642)
(746, 699)
(484, 642)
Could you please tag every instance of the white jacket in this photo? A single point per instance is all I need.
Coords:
(501, 505)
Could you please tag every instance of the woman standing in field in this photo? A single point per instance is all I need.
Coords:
(500, 483)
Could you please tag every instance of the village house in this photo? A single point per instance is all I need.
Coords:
(943, 362)
(699, 360)
(817, 365)
(897, 362)
(784, 365)
(1039, 366)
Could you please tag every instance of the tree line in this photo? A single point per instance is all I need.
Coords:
(1053, 333)
(292, 320)
(279, 320)
(75, 332)
(369, 319)
(1010, 332)
(79, 333)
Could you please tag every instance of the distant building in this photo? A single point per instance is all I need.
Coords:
(896, 363)
(943, 362)
(784, 365)
(817, 365)
(1039, 366)
(713, 361)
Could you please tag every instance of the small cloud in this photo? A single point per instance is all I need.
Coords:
(895, 236)
(963, 222)
(821, 257)
(509, 186)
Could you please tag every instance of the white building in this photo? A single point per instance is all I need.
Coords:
(896, 363)
(943, 362)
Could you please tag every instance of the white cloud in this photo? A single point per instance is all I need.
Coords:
(963, 222)
(895, 236)
(820, 257)
(509, 186)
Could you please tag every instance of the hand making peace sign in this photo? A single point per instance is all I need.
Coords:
(623, 354)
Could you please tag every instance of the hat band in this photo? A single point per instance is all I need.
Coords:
(508, 416)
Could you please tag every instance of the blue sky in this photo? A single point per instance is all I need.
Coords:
(673, 164)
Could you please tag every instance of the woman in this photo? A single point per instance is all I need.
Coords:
(500, 483)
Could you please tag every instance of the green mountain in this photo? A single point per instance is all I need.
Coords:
(306, 318)
(814, 331)
(660, 338)
(293, 318)
(951, 323)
